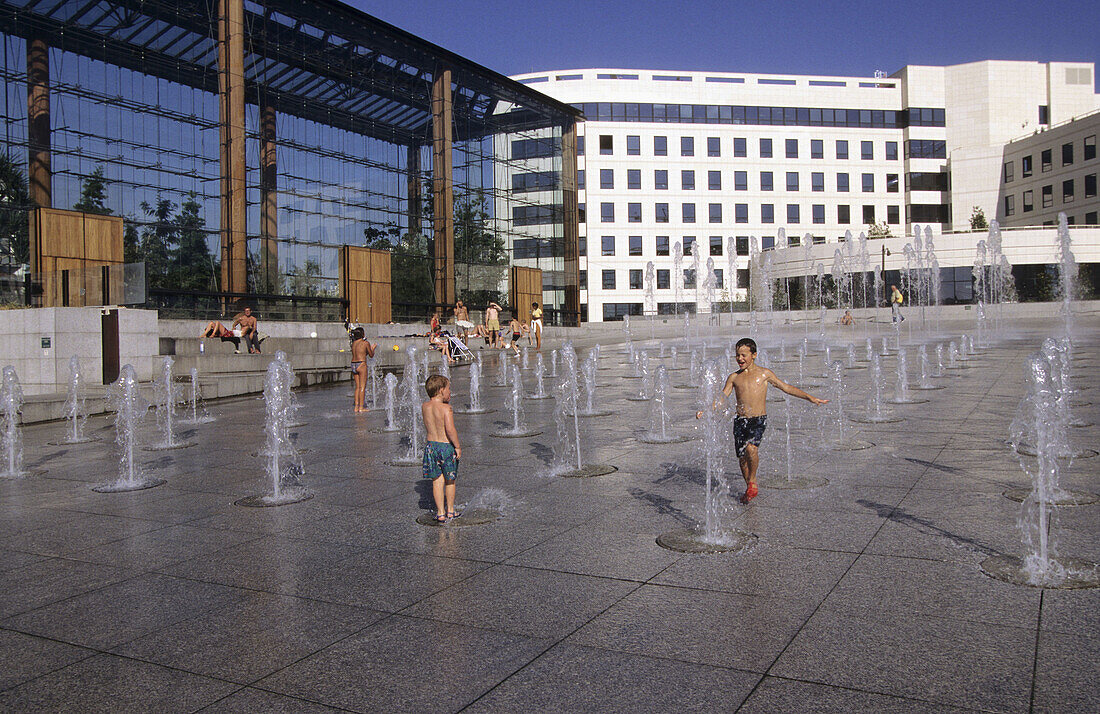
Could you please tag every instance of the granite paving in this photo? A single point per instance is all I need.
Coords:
(862, 593)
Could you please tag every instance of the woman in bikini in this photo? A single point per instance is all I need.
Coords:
(361, 351)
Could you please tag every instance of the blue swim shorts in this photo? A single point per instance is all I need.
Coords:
(440, 460)
(748, 430)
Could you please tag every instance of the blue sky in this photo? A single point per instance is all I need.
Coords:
(843, 38)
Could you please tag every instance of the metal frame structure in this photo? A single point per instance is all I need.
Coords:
(311, 65)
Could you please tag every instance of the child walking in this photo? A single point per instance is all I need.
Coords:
(750, 383)
(442, 452)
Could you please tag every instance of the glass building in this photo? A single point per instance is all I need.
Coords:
(244, 143)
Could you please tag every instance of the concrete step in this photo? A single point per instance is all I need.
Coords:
(290, 345)
(221, 364)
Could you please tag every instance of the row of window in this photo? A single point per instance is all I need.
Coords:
(761, 116)
(765, 147)
(740, 180)
(663, 279)
(1046, 195)
(740, 213)
(1046, 159)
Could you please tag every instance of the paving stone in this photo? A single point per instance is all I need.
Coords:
(406, 664)
(105, 683)
(785, 695)
(26, 657)
(572, 678)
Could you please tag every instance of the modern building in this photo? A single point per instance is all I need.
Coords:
(717, 158)
(1051, 172)
(245, 144)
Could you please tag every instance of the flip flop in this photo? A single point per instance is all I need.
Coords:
(453, 514)
(441, 518)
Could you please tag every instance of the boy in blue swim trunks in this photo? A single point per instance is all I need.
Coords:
(442, 452)
(750, 383)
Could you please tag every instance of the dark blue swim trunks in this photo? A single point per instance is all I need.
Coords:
(748, 430)
(440, 460)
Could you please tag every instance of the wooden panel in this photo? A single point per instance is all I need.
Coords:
(80, 243)
(102, 239)
(526, 289)
(364, 282)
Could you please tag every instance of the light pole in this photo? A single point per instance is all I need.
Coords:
(885, 252)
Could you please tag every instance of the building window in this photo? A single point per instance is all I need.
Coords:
(581, 209)
(1044, 114)
(660, 179)
(792, 148)
(740, 148)
(842, 183)
(660, 146)
(740, 180)
(741, 213)
(766, 183)
(688, 242)
(742, 243)
(1090, 148)
(583, 280)
(793, 215)
(580, 180)
(714, 180)
(893, 215)
(580, 146)
(715, 213)
(817, 149)
(689, 278)
(818, 211)
(1067, 154)
(767, 213)
(1010, 205)
(841, 149)
(660, 213)
(634, 213)
(607, 213)
(1048, 196)
(664, 281)
(869, 215)
(1046, 159)
(844, 215)
(792, 180)
(1067, 191)
(688, 212)
(634, 179)
(714, 147)
(1090, 218)
(767, 242)
(582, 246)
(716, 245)
(635, 278)
(1025, 166)
(633, 146)
(1029, 201)
(607, 245)
(926, 149)
(765, 148)
(609, 280)
(607, 144)
(867, 150)
(1008, 172)
(719, 281)
(615, 311)
(634, 245)
(817, 181)
(662, 245)
(687, 180)
(1090, 185)
(793, 241)
(892, 183)
(891, 151)
(687, 146)
(607, 178)
(868, 183)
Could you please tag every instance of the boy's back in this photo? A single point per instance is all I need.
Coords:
(436, 414)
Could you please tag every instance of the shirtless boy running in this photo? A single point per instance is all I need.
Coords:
(442, 452)
(750, 383)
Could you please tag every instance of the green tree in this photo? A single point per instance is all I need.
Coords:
(977, 220)
(93, 192)
(306, 280)
(158, 236)
(15, 202)
(879, 230)
(480, 256)
(194, 266)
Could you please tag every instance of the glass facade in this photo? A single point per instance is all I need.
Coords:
(340, 147)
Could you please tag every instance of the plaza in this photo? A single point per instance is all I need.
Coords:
(863, 593)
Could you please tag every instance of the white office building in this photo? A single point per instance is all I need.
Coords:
(720, 159)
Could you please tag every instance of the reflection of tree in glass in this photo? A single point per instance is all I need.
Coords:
(15, 200)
